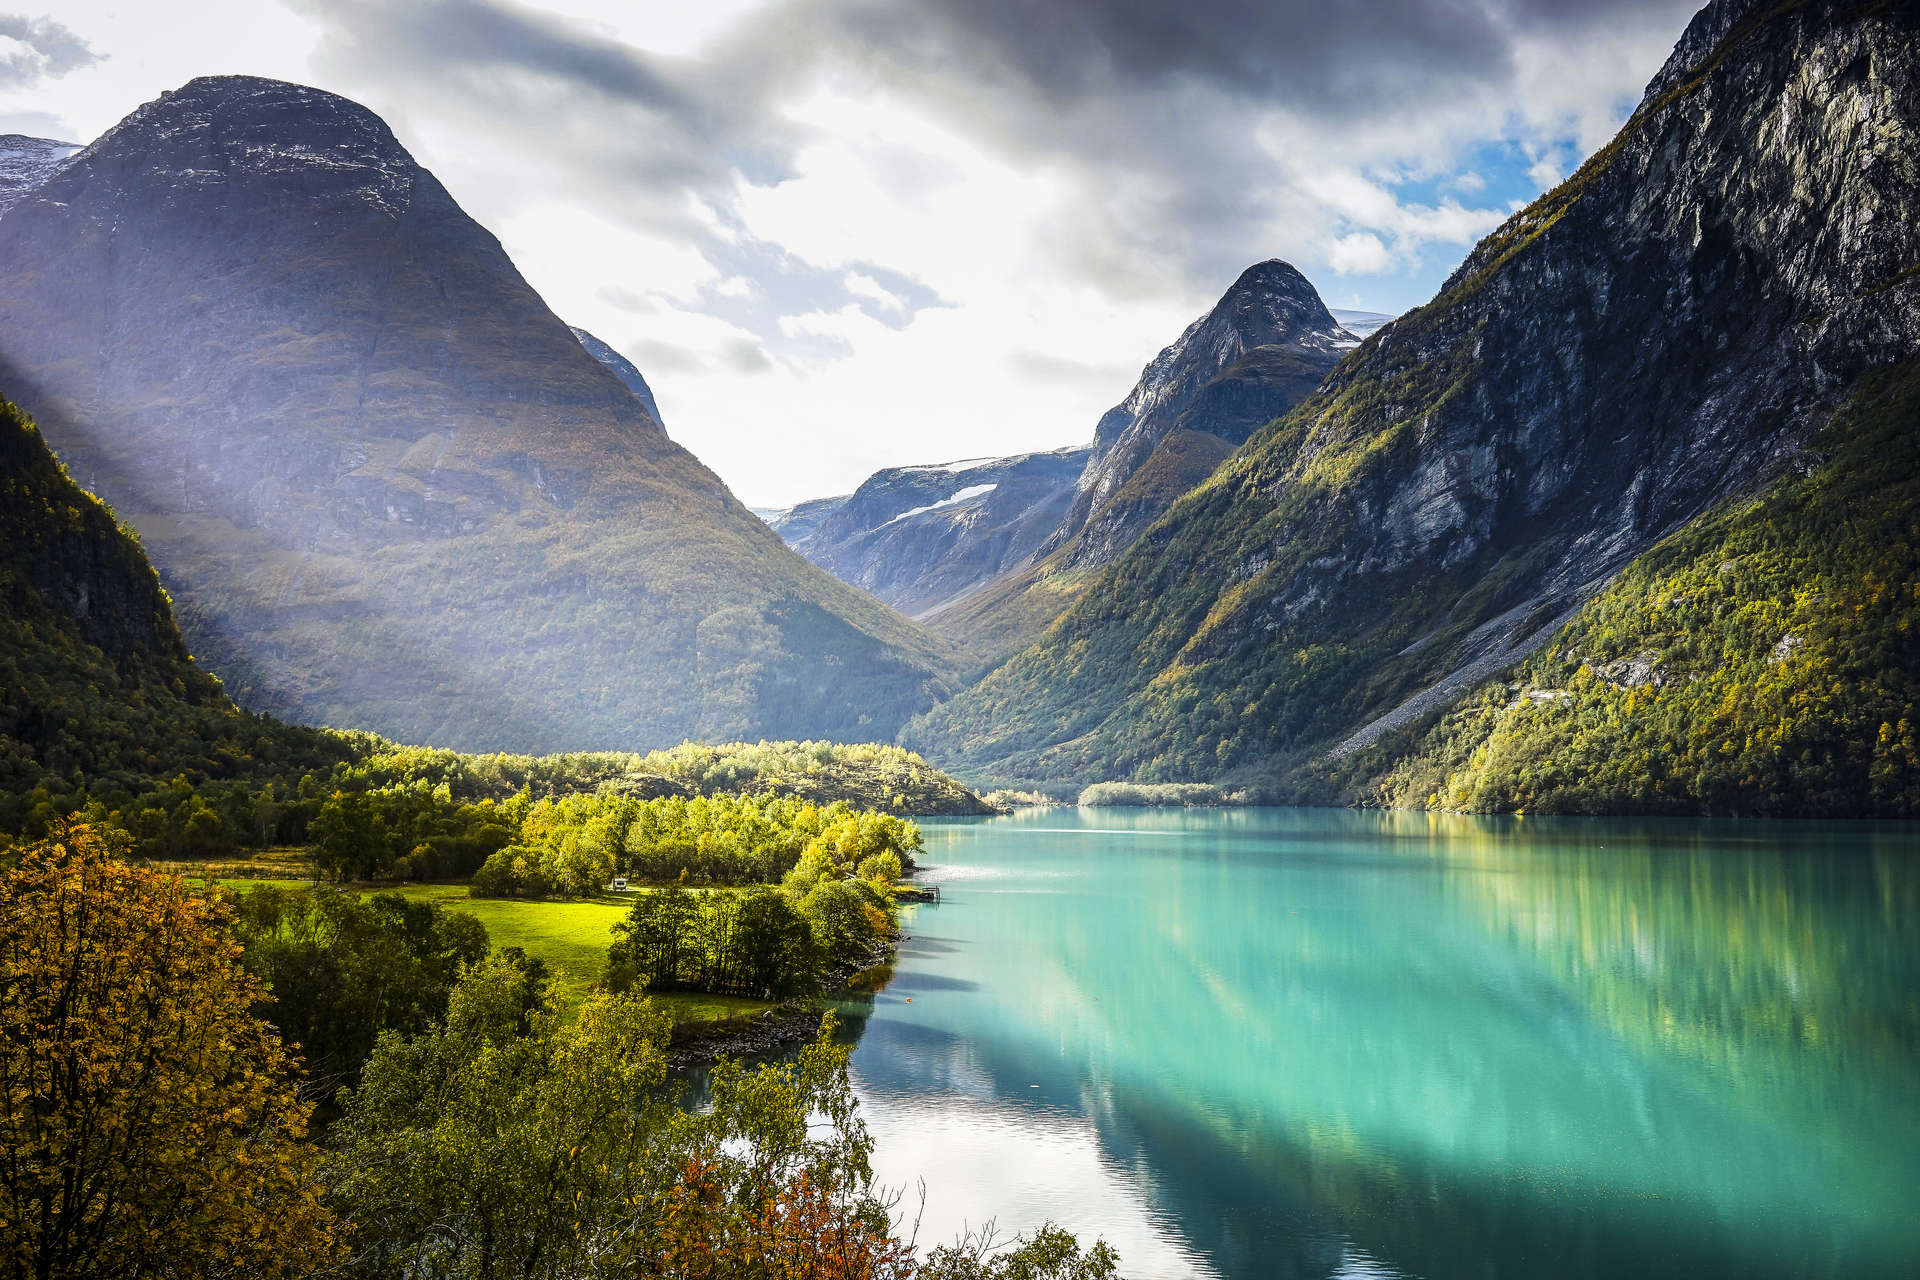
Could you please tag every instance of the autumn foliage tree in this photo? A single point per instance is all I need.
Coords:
(149, 1120)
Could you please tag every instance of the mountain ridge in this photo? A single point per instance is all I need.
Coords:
(919, 537)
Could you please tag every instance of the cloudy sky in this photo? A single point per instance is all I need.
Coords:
(843, 234)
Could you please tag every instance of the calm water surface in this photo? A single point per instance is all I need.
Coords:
(1275, 1043)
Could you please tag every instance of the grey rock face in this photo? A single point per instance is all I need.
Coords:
(621, 368)
(1260, 351)
(27, 162)
(921, 537)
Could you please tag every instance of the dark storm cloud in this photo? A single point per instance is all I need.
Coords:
(1163, 112)
(50, 50)
(1338, 55)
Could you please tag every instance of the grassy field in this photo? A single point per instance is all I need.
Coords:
(572, 937)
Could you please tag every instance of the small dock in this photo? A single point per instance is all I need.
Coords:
(916, 892)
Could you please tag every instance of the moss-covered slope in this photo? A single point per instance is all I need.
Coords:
(1765, 660)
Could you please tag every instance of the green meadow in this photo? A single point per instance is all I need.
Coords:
(572, 936)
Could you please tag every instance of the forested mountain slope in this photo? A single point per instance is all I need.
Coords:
(1764, 660)
(1665, 331)
(95, 682)
(390, 488)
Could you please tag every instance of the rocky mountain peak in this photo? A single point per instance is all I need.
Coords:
(1709, 27)
(1272, 304)
(1258, 352)
(246, 131)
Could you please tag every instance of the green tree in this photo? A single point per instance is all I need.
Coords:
(342, 968)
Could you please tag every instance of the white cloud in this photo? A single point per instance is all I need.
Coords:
(861, 285)
(565, 249)
(1359, 253)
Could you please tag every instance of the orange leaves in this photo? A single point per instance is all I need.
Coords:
(150, 1121)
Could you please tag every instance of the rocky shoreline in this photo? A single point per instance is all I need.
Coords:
(755, 1035)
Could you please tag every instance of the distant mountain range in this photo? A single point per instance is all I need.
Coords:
(390, 489)
(1360, 323)
(1672, 329)
(923, 537)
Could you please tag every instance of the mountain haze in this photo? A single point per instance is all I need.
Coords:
(390, 489)
(1667, 330)
(923, 537)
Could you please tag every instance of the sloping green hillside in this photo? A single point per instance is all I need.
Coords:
(96, 688)
(1766, 660)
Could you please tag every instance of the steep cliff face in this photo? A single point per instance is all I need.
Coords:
(392, 490)
(922, 537)
(95, 681)
(622, 368)
(1664, 330)
(1759, 661)
(1261, 350)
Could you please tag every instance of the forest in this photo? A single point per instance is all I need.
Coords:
(305, 1083)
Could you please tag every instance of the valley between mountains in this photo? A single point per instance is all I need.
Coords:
(1621, 521)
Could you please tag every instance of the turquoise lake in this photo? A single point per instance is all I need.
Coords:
(1279, 1043)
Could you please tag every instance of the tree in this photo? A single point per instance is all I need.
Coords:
(343, 968)
(496, 1147)
(151, 1123)
(777, 952)
(499, 1144)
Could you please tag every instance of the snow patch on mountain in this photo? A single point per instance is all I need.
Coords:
(26, 162)
(967, 494)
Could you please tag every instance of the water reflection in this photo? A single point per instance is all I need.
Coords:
(1267, 1043)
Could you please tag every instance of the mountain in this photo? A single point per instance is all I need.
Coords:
(27, 162)
(1668, 331)
(1759, 661)
(390, 489)
(622, 368)
(922, 537)
(1261, 350)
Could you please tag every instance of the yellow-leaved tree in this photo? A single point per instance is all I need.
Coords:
(150, 1124)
